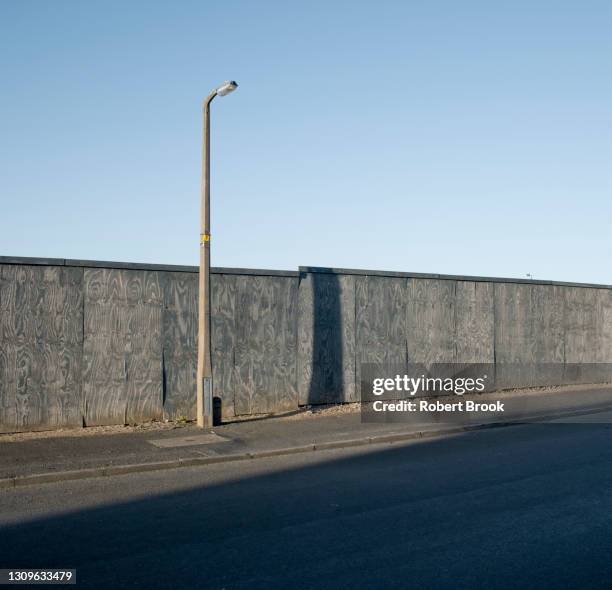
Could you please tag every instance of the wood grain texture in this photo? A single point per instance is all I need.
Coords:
(40, 347)
(253, 343)
(380, 324)
(117, 345)
(122, 352)
(180, 319)
(223, 309)
(265, 344)
(474, 322)
(580, 325)
(326, 339)
(603, 352)
(529, 335)
(604, 326)
(582, 334)
(512, 324)
(430, 321)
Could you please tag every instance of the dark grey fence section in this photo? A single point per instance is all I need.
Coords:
(95, 343)
(535, 333)
(326, 338)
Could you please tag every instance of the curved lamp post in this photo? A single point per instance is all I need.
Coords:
(204, 375)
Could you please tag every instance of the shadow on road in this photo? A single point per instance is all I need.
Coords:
(526, 507)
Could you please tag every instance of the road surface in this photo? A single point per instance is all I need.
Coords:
(519, 507)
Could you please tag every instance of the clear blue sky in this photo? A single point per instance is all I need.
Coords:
(453, 137)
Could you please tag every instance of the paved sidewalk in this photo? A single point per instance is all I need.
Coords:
(56, 458)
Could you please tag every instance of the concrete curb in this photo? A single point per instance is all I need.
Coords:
(113, 470)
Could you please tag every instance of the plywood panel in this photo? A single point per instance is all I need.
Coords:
(604, 325)
(474, 322)
(380, 316)
(265, 347)
(530, 335)
(40, 347)
(582, 334)
(122, 339)
(580, 324)
(223, 307)
(326, 339)
(430, 321)
(548, 323)
(180, 344)
(513, 343)
(603, 352)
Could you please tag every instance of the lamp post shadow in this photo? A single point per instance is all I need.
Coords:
(327, 378)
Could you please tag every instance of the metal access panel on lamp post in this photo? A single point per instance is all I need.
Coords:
(204, 393)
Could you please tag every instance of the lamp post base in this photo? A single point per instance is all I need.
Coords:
(205, 417)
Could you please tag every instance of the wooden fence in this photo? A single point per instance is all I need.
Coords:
(93, 343)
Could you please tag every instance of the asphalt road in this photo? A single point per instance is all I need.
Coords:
(520, 507)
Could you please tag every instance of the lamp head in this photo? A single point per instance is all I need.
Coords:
(227, 87)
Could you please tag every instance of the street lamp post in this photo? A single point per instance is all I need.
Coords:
(204, 375)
